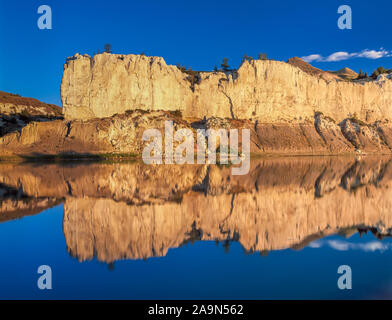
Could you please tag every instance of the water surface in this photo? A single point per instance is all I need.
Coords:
(129, 230)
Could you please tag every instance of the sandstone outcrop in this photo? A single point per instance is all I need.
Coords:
(263, 90)
(135, 211)
(121, 135)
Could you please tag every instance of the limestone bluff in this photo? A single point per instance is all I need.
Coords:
(110, 99)
(266, 90)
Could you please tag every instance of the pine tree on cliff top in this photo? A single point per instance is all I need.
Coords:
(262, 56)
(225, 65)
(108, 48)
(360, 75)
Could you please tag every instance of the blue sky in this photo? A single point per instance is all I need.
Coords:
(194, 33)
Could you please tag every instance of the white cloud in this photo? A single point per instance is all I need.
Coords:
(312, 57)
(342, 55)
(339, 245)
(345, 245)
(339, 56)
(315, 244)
(373, 54)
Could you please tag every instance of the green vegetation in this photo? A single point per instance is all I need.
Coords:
(25, 113)
(129, 112)
(78, 156)
(380, 70)
(357, 121)
(193, 76)
(176, 113)
(318, 113)
(361, 75)
(225, 65)
(246, 58)
(181, 68)
(330, 119)
(108, 48)
(14, 94)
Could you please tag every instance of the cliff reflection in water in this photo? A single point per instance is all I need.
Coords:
(136, 211)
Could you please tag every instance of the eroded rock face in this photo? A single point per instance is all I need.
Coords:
(365, 137)
(123, 135)
(134, 211)
(331, 134)
(268, 91)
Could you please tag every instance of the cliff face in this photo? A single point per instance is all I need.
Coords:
(268, 91)
(134, 211)
(289, 108)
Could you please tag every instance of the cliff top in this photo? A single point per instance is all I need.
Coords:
(342, 74)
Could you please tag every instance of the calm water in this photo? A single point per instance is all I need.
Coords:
(128, 230)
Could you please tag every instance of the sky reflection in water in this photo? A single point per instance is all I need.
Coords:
(131, 231)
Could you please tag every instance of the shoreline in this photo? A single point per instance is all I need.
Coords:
(117, 158)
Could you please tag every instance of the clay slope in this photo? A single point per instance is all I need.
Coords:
(15, 104)
(309, 69)
(121, 135)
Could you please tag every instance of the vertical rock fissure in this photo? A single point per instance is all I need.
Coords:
(231, 104)
(305, 136)
(259, 140)
(68, 124)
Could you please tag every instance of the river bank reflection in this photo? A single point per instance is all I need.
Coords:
(136, 211)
